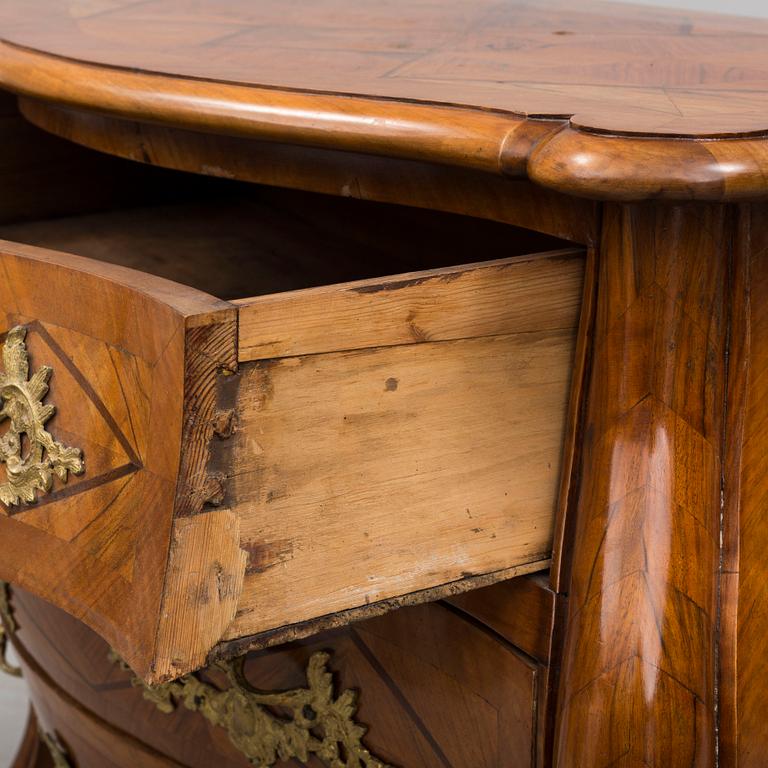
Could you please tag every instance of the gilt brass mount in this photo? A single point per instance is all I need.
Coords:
(318, 724)
(7, 628)
(57, 752)
(30, 464)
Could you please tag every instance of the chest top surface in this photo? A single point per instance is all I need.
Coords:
(500, 74)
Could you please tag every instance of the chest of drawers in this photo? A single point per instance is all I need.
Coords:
(416, 344)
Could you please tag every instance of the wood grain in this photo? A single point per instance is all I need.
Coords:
(275, 240)
(441, 134)
(82, 736)
(436, 689)
(641, 606)
(465, 319)
(333, 172)
(118, 383)
(574, 434)
(205, 576)
(420, 432)
(663, 68)
(521, 610)
(494, 298)
(401, 439)
(744, 591)
(44, 176)
(739, 392)
(611, 167)
(485, 86)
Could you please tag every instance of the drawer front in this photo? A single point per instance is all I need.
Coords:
(78, 737)
(218, 477)
(96, 378)
(433, 689)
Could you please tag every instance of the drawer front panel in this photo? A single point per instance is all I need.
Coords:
(434, 689)
(94, 382)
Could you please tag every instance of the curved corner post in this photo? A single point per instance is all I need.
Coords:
(637, 686)
(743, 680)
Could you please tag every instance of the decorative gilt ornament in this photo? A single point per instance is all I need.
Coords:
(30, 453)
(317, 724)
(7, 628)
(58, 755)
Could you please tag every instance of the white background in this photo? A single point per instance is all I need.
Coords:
(13, 702)
(737, 7)
(13, 714)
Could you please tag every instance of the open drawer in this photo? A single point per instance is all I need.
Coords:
(247, 470)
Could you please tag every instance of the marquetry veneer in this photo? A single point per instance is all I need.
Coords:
(429, 334)
(300, 424)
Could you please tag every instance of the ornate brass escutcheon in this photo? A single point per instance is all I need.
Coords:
(319, 723)
(31, 456)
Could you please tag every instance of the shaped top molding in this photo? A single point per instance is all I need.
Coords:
(595, 99)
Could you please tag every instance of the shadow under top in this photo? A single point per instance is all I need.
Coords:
(590, 98)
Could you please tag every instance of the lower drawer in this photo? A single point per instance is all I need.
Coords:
(193, 476)
(74, 736)
(433, 689)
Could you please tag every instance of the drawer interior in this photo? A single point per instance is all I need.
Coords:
(234, 240)
(376, 419)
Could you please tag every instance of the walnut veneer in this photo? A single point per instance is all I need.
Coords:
(429, 334)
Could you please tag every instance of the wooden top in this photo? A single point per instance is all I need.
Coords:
(468, 82)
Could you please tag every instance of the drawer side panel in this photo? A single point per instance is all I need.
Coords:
(370, 478)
